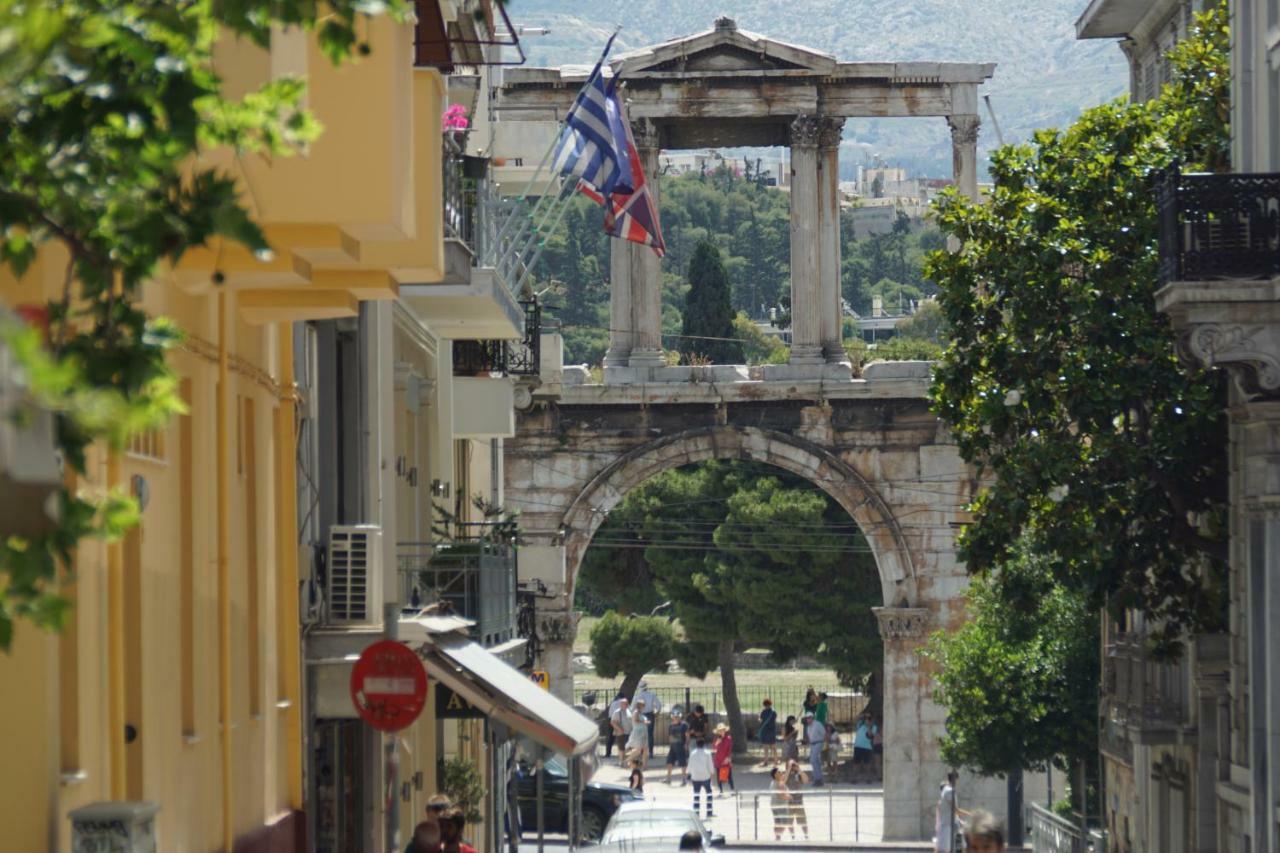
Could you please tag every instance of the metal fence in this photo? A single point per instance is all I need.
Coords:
(1049, 833)
(844, 705)
(814, 814)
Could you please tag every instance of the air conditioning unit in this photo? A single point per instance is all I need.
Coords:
(353, 588)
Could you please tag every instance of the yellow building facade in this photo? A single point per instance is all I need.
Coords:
(177, 679)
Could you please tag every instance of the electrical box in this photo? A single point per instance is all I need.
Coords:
(114, 828)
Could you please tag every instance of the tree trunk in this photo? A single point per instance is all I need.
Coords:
(732, 708)
(630, 680)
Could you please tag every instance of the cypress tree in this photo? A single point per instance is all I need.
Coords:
(708, 313)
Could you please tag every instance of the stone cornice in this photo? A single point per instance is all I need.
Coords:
(898, 623)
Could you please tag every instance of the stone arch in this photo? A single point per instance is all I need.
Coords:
(803, 458)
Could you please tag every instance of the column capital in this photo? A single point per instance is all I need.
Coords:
(645, 133)
(900, 623)
(805, 131)
(964, 129)
(830, 131)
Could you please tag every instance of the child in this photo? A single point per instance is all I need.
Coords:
(637, 777)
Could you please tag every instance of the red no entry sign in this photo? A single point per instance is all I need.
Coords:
(388, 686)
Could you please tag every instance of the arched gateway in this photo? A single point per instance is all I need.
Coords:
(871, 443)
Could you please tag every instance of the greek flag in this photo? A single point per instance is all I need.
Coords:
(593, 144)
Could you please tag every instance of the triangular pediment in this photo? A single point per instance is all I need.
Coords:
(723, 48)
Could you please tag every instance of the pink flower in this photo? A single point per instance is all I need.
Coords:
(454, 118)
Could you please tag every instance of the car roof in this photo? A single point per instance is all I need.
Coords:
(654, 807)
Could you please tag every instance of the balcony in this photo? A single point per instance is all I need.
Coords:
(474, 578)
(508, 358)
(1148, 699)
(1218, 227)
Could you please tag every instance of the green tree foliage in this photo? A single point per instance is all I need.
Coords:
(741, 550)
(757, 347)
(631, 646)
(707, 332)
(1063, 381)
(1019, 678)
(105, 107)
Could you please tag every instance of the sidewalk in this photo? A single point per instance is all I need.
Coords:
(842, 814)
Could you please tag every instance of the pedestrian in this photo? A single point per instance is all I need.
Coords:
(946, 817)
(724, 757)
(678, 750)
(426, 838)
(638, 739)
(796, 780)
(790, 741)
(877, 751)
(636, 780)
(620, 724)
(701, 768)
(452, 828)
(652, 707)
(821, 710)
(769, 732)
(780, 803)
(984, 833)
(613, 710)
(698, 724)
(862, 747)
(808, 707)
(817, 737)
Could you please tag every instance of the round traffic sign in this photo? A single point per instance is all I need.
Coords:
(388, 686)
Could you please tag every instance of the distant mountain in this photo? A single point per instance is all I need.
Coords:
(1044, 76)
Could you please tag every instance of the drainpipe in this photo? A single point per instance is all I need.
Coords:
(115, 648)
(287, 570)
(223, 516)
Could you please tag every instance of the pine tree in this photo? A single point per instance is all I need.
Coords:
(708, 314)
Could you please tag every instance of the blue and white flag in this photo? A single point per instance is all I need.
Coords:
(593, 144)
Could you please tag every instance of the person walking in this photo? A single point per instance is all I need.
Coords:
(724, 757)
(946, 816)
(638, 739)
(613, 710)
(768, 733)
(863, 748)
(790, 741)
(701, 768)
(796, 780)
(780, 803)
(652, 707)
(678, 750)
(620, 724)
(817, 734)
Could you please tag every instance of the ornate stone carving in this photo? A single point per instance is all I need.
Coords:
(964, 129)
(897, 623)
(645, 133)
(830, 131)
(805, 131)
(1252, 352)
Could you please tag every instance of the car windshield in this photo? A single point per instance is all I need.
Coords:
(652, 823)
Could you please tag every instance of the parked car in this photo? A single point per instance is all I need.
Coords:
(639, 825)
(599, 800)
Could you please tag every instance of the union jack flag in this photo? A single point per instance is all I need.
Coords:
(630, 213)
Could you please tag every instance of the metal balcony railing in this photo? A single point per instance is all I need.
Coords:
(1050, 833)
(1142, 693)
(471, 578)
(509, 358)
(1217, 227)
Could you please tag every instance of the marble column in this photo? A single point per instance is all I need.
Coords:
(829, 239)
(620, 334)
(646, 266)
(964, 153)
(806, 291)
(911, 764)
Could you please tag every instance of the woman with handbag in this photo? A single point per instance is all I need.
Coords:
(724, 757)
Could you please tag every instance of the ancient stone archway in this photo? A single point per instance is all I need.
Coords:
(803, 458)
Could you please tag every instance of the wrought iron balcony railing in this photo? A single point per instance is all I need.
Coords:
(509, 358)
(471, 578)
(1216, 227)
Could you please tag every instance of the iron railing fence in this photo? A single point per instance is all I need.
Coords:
(844, 704)
(509, 358)
(474, 578)
(1050, 833)
(1217, 226)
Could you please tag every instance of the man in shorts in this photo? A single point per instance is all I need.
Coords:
(678, 750)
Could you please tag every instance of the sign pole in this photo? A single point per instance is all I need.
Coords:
(391, 628)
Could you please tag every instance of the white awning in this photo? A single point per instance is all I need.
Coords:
(507, 695)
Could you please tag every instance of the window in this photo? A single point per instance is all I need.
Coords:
(148, 445)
